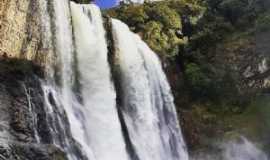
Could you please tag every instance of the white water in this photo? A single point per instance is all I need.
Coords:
(31, 110)
(63, 95)
(102, 126)
(163, 102)
(148, 107)
(149, 112)
(242, 150)
(147, 104)
(239, 149)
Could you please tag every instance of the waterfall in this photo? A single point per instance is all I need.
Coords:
(65, 51)
(102, 126)
(147, 106)
(81, 91)
(31, 110)
(242, 150)
(237, 149)
(99, 98)
(60, 102)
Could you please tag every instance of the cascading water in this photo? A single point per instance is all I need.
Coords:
(148, 108)
(93, 112)
(34, 116)
(237, 149)
(123, 113)
(147, 102)
(242, 150)
(141, 124)
(60, 101)
(65, 51)
(101, 123)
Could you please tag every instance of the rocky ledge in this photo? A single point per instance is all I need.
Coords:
(22, 115)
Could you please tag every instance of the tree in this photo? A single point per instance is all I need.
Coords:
(159, 23)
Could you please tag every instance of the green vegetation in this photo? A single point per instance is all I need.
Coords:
(206, 46)
(160, 24)
(205, 126)
(195, 34)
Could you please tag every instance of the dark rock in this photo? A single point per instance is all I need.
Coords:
(24, 131)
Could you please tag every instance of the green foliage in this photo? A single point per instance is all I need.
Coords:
(197, 79)
(207, 77)
(134, 16)
(209, 82)
(165, 15)
(237, 12)
(216, 80)
(154, 36)
(233, 9)
(210, 31)
(188, 32)
(191, 8)
(159, 23)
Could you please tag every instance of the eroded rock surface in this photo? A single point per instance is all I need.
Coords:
(22, 30)
(24, 130)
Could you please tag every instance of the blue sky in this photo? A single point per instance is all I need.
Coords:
(106, 3)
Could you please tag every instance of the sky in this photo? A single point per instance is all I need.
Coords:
(106, 3)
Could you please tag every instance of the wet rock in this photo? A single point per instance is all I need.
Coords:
(18, 151)
(24, 131)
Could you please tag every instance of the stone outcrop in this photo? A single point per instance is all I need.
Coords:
(22, 30)
(249, 57)
(27, 130)
(24, 129)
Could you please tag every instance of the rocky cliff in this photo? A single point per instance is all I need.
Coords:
(28, 128)
(22, 31)
(24, 131)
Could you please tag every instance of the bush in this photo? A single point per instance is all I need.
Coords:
(159, 23)
(197, 80)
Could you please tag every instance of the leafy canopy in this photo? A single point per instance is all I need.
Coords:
(160, 23)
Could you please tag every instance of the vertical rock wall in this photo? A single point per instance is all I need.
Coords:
(21, 30)
(25, 35)
(24, 130)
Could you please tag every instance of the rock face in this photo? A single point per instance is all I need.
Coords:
(249, 57)
(21, 30)
(28, 130)
(24, 131)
